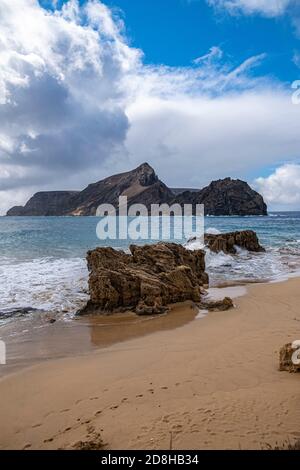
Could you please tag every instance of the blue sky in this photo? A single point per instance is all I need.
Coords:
(175, 32)
(201, 89)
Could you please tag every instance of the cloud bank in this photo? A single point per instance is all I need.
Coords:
(78, 103)
(282, 187)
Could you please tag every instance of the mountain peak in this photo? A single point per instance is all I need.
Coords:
(146, 174)
(142, 186)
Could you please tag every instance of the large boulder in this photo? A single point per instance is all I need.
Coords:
(227, 242)
(147, 280)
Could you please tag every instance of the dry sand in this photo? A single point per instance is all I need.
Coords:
(213, 383)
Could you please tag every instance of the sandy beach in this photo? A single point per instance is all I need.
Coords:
(212, 383)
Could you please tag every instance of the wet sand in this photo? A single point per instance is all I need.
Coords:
(211, 383)
(34, 340)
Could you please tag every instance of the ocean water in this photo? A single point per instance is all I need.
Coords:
(43, 269)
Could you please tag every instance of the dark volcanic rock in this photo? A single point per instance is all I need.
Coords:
(147, 280)
(226, 197)
(227, 242)
(47, 203)
(142, 186)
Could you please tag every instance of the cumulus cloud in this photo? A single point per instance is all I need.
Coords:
(61, 91)
(282, 188)
(269, 8)
(77, 103)
(202, 139)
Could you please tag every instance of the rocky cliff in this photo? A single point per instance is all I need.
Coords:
(47, 203)
(226, 197)
(142, 185)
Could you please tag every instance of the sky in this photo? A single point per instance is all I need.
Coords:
(200, 89)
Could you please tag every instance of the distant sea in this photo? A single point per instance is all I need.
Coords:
(42, 259)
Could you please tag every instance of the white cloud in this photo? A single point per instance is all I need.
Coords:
(282, 188)
(269, 8)
(61, 92)
(215, 53)
(265, 8)
(193, 141)
(77, 104)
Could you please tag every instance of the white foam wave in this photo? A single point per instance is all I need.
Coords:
(215, 260)
(194, 244)
(58, 286)
(212, 231)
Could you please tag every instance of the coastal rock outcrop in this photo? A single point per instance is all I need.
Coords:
(217, 305)
(289, 357)
(147, 280)
(227, 242)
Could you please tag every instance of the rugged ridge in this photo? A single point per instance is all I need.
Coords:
(142, 185)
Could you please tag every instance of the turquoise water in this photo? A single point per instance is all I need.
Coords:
(42, 259)
(28, 238)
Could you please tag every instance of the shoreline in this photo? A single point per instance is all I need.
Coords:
(212, 383)
(42, 341)
(82, 335)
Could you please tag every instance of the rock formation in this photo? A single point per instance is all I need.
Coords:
(226, 197)
(147, 280)
(142, 185)
(217, 305)
(47, 203)
(289, 357)
(227, 242)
